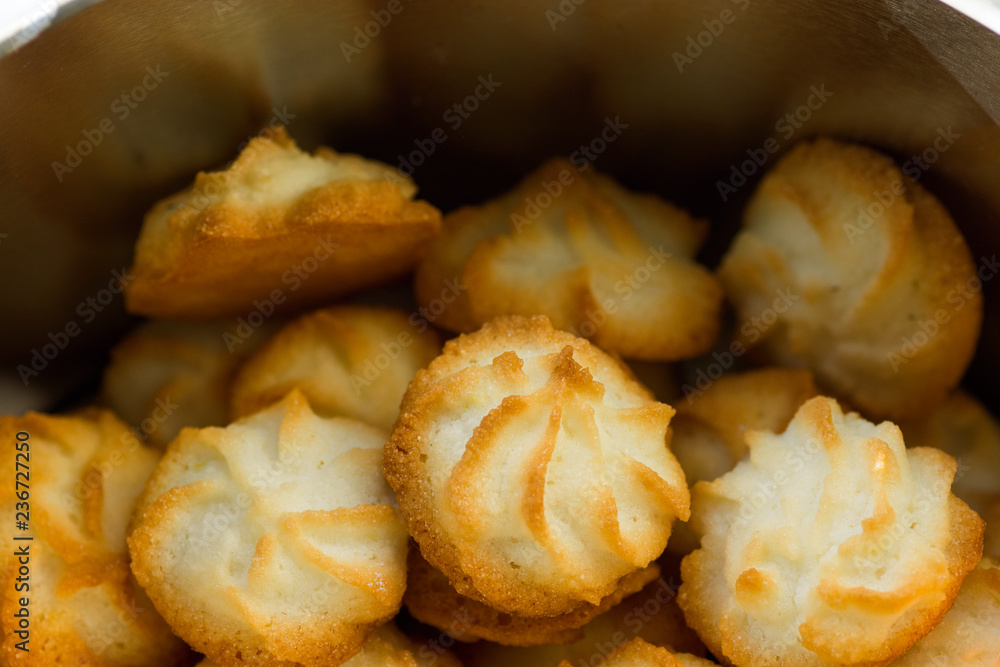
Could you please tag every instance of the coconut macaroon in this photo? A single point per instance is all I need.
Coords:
(602, 262)
(166, 375)
(832, 544)
(350, 361)
(651, 615)
(388, 647)
(709, 430)
(68, 595)
(274, 540)
(431, 599)
(969, 634)
(849, 268)
(278, 229)
(532, 470)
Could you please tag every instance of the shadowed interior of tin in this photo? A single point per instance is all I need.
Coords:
(687, 95)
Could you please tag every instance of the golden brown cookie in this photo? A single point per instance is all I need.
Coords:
(68, 595)
(351, 361)
(272, 541)
(601, 262)
(533, 470)
(832, 544)
(847, 267)
(166, 375)
(278, 230)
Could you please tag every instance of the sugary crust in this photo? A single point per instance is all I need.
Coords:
(833, 544)
(877, 306)
(350, 361)
(388, 647)
(273, 541)
(83, 473)
(277, 220)
(969, 634)
(167, 375)
(431, 599)
(709, 430)
(599, 261)
(485, 517)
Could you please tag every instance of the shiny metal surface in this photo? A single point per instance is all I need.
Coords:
(897, 75)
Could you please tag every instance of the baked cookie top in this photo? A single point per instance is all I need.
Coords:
(532, 469)
(847, 267)
(278, 227)
(276, 535)
(352, 361)
(832, 544)
(604, 263)
(73, 480)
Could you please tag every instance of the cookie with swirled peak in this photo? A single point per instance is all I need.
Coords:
(68, 594)
(166, 375)
(431, 599)
(273, 541)
(969, 634)
(640, 653)
(602, 262)
(832, 544)
(279, 229)
(388, 647)
(849, 268)
(352, 361)
(532, 469)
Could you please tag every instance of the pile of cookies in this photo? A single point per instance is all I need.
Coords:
(276, 477)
